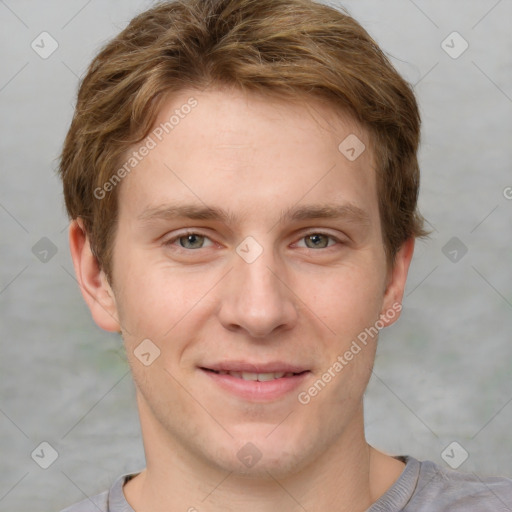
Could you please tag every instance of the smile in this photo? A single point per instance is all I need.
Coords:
(261, 377)
(256, 386)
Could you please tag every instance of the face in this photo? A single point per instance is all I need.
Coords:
(249, 243)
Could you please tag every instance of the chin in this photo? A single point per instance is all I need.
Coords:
(264, 452)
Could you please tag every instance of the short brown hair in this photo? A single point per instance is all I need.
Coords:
(280, 48)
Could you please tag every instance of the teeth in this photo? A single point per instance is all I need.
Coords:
(261, 377)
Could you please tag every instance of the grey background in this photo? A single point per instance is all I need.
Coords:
(443, 372)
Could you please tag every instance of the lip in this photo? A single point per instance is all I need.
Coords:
(245, 366)
(256, 391)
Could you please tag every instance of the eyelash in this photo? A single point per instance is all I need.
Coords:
(170, 242)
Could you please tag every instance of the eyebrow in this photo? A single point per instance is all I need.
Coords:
(348, 211)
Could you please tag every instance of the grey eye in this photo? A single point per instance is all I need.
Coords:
(191, 241)
(317, 240)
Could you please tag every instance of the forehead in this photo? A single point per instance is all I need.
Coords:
(225, 147)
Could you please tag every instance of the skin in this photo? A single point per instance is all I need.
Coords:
(296, 303)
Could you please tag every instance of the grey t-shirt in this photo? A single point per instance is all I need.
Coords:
(422, 487)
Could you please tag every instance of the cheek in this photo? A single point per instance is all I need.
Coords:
(156, 298)
(350, 306)
(347, 298)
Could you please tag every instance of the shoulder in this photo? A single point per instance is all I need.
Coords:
(112, 500)
(98, 503)
(455, 491)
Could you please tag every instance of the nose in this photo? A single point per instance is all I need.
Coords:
(256, 298)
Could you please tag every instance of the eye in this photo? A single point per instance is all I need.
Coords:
(190, 241)
(319, 240)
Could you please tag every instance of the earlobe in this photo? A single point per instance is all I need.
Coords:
(392, 304)
(94, 285)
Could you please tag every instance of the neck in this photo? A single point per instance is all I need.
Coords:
(349, 476)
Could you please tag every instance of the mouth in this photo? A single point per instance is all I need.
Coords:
(260, 377)
(256, 383)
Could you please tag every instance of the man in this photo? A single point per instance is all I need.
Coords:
(242, 181)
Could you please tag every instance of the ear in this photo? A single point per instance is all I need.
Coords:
(395, 287)
(93, 282)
